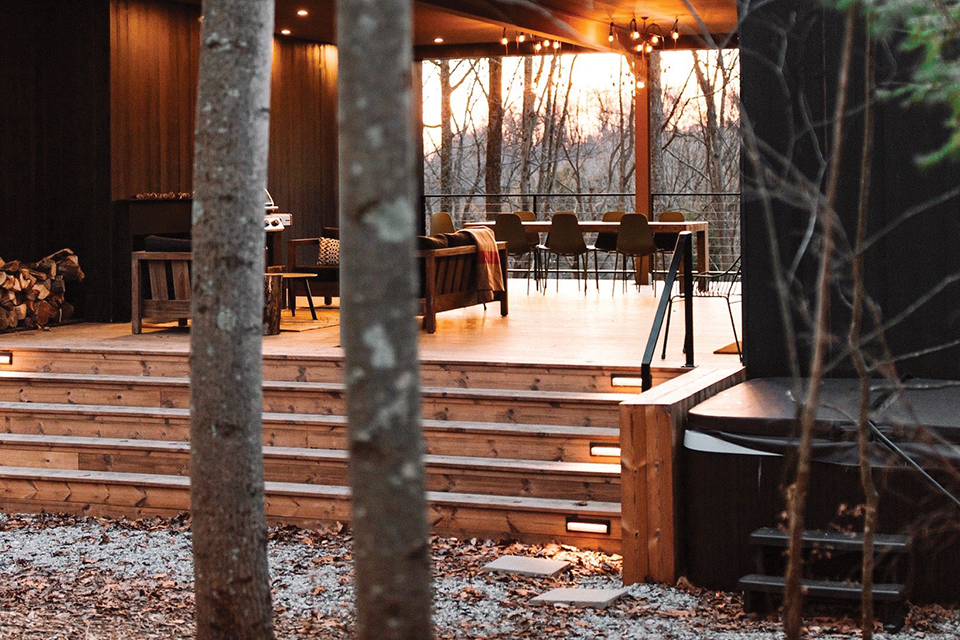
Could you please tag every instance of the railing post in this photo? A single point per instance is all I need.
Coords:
(688, 300)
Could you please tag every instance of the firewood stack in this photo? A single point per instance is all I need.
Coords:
(32, 294)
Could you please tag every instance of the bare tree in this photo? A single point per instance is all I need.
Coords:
(494, 153)
(226, 466)
(378, 286)
(446, 135)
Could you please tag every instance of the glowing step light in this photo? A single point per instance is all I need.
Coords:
(576, 524)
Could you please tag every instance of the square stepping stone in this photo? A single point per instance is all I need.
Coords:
(596, 598)
(525, 566)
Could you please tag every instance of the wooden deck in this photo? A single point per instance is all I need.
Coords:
(522, 424)
(558, 328)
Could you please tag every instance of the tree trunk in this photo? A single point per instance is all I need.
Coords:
(494, 159)
(227, 500)
(446, 136)
(657, 125)
(378, 290)
(797, 492)
(528, 122)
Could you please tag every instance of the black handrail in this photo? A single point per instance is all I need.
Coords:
(683, 251)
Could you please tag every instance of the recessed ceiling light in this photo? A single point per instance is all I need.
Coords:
(285, 32)
(438, 40)
(302, 13)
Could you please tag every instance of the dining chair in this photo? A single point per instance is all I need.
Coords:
(566, 239)
(441, 222)
(508, 228)
(635, 240)
(533, 237)
(666, 242)
(607, 240)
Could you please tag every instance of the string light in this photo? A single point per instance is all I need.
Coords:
(634, 34)
(610, 37)
(537, 47)
(504, 40)
(556, 44)
(522, 37)
(675, 32)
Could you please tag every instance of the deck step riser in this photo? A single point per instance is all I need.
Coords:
(330, 369)
(327, 469)
(436, 405)
(524, 442)
(302, 506)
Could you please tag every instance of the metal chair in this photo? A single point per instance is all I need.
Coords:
(633, 240)
(508, 228)
(441, 222)
(712, 284)
(566, 239)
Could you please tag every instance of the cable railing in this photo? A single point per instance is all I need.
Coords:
(684, 253)
(721, 210)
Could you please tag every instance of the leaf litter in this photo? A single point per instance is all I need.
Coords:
(106, 579)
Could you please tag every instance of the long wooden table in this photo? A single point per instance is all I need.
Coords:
(700, 229)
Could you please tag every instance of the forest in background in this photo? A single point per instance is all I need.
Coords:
(561, 126)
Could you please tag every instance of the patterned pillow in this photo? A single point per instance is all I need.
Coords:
(329, 251)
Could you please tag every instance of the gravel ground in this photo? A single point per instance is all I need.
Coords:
(65, 577)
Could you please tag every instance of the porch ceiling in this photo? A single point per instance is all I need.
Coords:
(474, 27)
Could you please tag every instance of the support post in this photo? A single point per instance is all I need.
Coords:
(642, 173)
(651, 434)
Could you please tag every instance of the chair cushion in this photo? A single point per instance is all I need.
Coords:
(329, 253)
(163, 243)
(432, 242)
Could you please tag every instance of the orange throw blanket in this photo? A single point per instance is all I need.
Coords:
(489, 275)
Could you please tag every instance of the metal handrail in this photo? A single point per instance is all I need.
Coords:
(683, 251)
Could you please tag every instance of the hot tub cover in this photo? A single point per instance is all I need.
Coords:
(923, 419)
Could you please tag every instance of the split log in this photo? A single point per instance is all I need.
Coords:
(32, 294)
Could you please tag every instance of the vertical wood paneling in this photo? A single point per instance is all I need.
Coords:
(153, 80)
(303, 134)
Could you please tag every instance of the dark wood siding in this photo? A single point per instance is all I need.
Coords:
(54, 138)
(789, 106)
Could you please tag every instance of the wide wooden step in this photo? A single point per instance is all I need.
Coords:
(536, 478)
(326, 368)
(34, 490)
(487, 405)
(442, 437)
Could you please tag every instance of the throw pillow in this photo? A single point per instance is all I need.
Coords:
(329, 252)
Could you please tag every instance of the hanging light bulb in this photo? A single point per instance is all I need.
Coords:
(610, 37)
(522, 37)
(640, 84)
(648, 48)
(640, 48)
(654, 39)
(546, 43)
(537, 47)
(503, 40)
(634, 33)
(556, 44)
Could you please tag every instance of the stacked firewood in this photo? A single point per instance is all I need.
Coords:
(31, 294)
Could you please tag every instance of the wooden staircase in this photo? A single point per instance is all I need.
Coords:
(508, 446)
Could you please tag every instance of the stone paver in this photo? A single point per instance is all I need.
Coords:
(526, 566)
(595, 598)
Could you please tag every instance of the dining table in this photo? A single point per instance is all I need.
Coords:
(699, 228)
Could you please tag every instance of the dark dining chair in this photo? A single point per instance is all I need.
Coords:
(566, 239)
(441, 222)
(533, 237)
(634, 240)
(666, 242)
(607, 240)
(508, 228)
